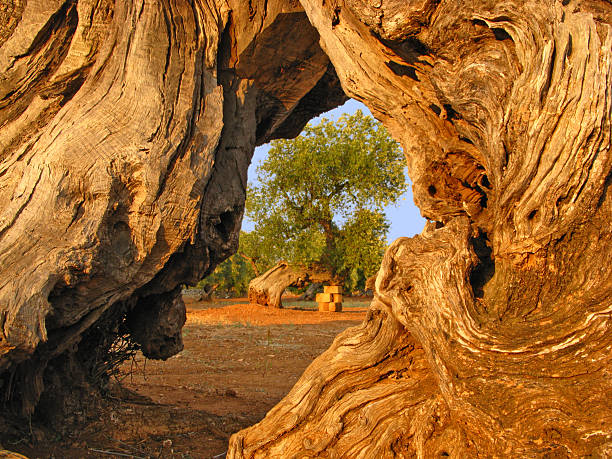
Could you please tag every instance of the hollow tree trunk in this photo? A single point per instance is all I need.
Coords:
(126, 129)
(268, 288)
(503, 110)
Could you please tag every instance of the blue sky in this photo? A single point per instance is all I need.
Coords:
(404, 217)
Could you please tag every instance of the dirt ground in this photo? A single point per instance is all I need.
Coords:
(239, 361)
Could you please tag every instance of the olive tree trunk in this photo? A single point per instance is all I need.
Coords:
(490, 333)
(126, 130)
(268, 288)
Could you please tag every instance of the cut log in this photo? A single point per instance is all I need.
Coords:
(324, 297)
(268, 288)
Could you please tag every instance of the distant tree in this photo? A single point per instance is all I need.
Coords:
(320, 197)
(257, 251)
(361, 245)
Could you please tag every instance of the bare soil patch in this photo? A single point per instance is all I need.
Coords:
(239, 361)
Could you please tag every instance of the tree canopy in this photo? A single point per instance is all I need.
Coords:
(320, 198)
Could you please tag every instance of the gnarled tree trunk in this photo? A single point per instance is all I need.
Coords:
(268, 288)
(489, 334)
(126, 129)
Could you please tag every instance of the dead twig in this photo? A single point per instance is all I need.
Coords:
(126, 447)
(115, 453)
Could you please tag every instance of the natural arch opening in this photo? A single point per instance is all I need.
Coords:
(238, 362)
(126, 133)
(317, 208)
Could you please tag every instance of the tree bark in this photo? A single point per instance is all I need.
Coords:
(268, 288)
(126, 130)
(503, 111)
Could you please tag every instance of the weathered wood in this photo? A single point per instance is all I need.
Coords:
(370, 368)
(126, 129)
(268, 288)
(503, 111)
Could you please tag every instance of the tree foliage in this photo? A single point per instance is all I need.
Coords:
(361, 245)
(232, 277)
(320, 198)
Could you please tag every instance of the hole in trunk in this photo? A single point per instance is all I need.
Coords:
(227, 221)
(484, 271)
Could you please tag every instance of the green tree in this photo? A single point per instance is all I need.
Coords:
(257, 250)
(231, 277)
(361, 244)
(320, 197)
